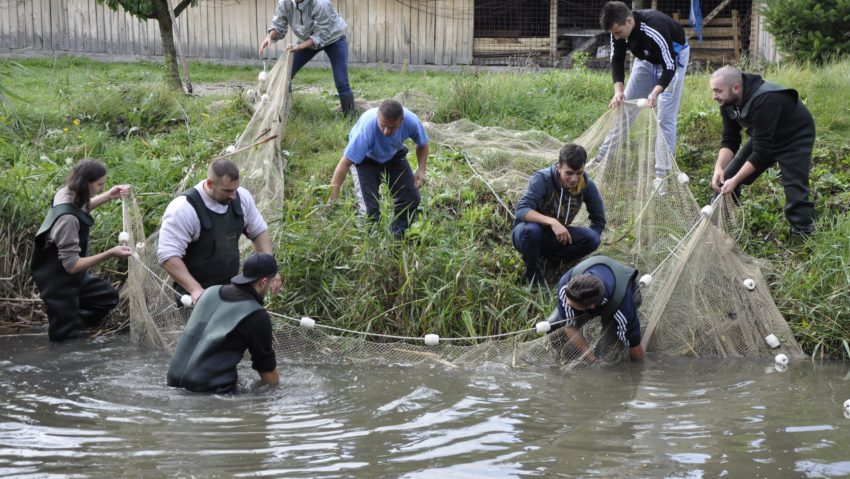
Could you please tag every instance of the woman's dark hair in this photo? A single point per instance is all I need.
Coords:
(81, 176)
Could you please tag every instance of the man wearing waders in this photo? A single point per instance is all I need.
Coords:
(227, 321)
(781, 131)
(199, 237)
(60, 259)
(598, 286)
(661, 54)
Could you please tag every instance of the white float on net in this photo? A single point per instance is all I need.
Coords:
(642, 103)
(432, 340)
(707, 211)
(781, 359)
(847, 405)
(123, 238)
(772, 341)
(140, 245)
(683, 178)
(264, 97)
(263, 76)
(645, 280)
(749, 283)
(230, 149)
(543, 327)
(307, 322)
(186, 300)
(780, 367)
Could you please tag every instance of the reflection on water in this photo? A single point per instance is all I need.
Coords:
(102, 409)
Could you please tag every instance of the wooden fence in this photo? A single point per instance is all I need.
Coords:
(435, 32)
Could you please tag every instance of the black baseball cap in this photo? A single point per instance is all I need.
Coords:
(258, 265)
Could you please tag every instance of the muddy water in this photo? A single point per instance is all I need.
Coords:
(103, 410)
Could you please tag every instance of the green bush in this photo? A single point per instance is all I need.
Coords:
(810, 30)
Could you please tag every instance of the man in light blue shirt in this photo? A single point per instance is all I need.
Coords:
(376, 149)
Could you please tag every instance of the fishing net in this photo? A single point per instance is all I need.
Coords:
(700, 295)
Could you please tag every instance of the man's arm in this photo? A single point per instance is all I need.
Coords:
(176, 268)
(618, 71)
(724, 156)
(577, 339)
(561, 231)
(422, 159)
(595, 208)
(338, 177)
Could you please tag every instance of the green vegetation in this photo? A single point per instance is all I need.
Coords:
(456, 272)
(810, 30)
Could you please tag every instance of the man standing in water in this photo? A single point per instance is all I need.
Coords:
(598, 286)
(227, 321)
(199, 236)
(781, 130)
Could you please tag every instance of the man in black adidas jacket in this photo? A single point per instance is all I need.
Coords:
(781, 131)
(658, 71)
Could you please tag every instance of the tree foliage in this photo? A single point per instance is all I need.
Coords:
(810, 30)
(146, 9)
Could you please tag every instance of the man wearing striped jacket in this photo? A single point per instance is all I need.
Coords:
(661, 54)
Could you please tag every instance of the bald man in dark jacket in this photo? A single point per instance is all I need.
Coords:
(781, 131)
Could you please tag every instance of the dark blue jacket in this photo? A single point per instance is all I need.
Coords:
(546, 196)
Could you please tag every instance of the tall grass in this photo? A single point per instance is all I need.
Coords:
(456, 272)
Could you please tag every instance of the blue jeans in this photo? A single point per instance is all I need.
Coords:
(337, 53)
(534, 240)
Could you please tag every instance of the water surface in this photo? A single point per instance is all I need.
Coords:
(101, 409)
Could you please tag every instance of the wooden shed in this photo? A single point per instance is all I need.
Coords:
(398, 32)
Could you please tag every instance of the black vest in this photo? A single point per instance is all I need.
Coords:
(214, 258)
(51, 278)
(199, 363)
(623, 276)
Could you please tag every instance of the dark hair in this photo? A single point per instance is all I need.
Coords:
(585, 289)
(614, 13)
(572, 155)
(391, 110)
(222, 167)
(85, 172)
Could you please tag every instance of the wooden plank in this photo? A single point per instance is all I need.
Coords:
(512, 45)
(5, 27)
(469, 31)
(431, 32)
(553, 31)
(407, 33)
(39, 33)
(736, 40)
(24, 24)
(451, 22)
(715, 44)
(361, 22)
(708, 32)
(382, 32)
(440, 32)
(417, 27)
(374, 28)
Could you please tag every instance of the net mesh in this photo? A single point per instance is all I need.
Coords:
(697, 303)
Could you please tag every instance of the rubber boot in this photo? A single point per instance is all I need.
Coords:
(346, 103)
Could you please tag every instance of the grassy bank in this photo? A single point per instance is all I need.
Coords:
(456, 273)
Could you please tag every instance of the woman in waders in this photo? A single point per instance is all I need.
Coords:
(60, 259)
